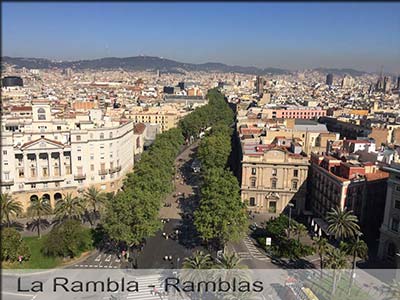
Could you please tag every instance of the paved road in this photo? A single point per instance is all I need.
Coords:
(100, 260)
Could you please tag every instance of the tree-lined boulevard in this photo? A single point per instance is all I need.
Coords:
(166, 216)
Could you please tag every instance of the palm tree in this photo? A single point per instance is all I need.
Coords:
(301, 230)
(229, 261)
(69, 207)
(322, 247)
(198, 261)
(94, 199)
(38, 208)
(9, 207)
(336, 260)
(356, 248)
(342, 223)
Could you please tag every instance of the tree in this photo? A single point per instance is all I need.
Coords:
(69, 207)
(94, 199)
(13, 246)
(221, 215)
(342, 223)
(301, 230)
(322, 247)
(67, 240)
(39, 208)
(229, 261)
(336, 260)
(199, 261)
(214, 151)
(356, 248)
(9, 207)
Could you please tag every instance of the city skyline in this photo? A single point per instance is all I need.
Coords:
(290, 36)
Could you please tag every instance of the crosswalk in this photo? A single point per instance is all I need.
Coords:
(253, 251)
(88, 266)
(147, 283)
(101, 261)
(146, 288)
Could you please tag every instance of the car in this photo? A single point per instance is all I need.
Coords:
(253, 226)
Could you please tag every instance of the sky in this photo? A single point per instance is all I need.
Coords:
(364, 36)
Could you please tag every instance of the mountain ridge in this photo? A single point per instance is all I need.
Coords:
(141, 63)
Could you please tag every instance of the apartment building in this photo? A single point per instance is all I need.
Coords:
(46, 156)
(272, 176)
(347, 183)
(166, 117)
(295, 112)
(311, 135)
(389, 243)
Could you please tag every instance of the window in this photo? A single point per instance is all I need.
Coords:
(45, 185)
(295, 173)
(33, 186)
(6, 163)
(102, 136)
(398, 188)
(395, 224)
(103, 177)
(397, 203)
(78, 137)
(274, 172)
(253, 182)
(91, 167)
(41, 114)
(91, 156)
(111, 135)
(272, 207)
(79, 158)
(4, 152)
(252, 201)
(253, 171)
(7, 176)
(58, 127)
(273, 183)
(294, 185)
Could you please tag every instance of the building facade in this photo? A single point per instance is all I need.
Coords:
(48, 157)
(271, 177)
(389, 243)
(347, 184)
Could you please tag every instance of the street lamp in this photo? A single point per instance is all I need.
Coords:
(290, 217)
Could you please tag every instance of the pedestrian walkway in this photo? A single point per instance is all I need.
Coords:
(147, 286)
(253, 250)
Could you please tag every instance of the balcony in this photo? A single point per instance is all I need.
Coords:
(80, 177)
(35, 179)
(103, 172)
(5, 182)
(115, 169)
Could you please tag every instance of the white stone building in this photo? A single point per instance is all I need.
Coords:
(44, 156)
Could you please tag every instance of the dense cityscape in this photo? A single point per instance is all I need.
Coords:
(141, 163)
